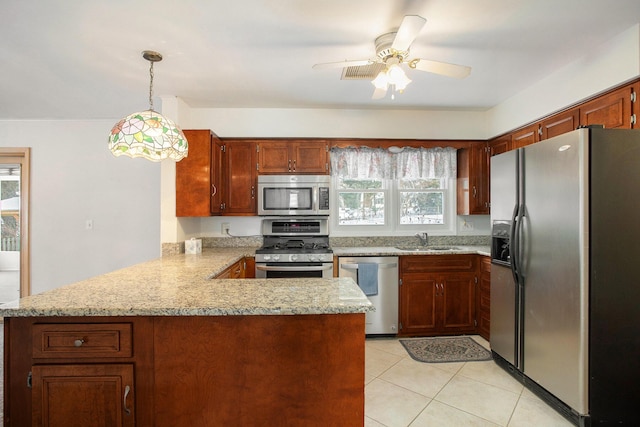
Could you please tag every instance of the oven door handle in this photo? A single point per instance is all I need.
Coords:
(355, 266)
(302, 268)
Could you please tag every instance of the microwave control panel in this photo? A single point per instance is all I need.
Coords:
(323, 198)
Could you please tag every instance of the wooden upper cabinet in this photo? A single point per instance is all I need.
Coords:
(473, 180)
(500, 145)
(525, 136)
(560, 123)
(291, 156)
(241, 178)
(613, 110)
(196, 186)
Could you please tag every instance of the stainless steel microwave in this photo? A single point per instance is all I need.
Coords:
(287, 195)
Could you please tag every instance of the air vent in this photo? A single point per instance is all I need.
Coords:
(362, 72)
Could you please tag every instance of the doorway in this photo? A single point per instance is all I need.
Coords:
(14, 226)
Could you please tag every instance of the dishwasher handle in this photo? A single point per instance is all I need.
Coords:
(355, 266)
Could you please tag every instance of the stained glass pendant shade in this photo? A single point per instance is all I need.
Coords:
(148, 134)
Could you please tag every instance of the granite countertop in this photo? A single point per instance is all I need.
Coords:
(182, 285)
(393, 251)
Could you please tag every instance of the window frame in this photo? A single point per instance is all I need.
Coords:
(392, 226)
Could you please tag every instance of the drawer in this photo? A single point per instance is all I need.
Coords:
(438, 263)
(73, 340)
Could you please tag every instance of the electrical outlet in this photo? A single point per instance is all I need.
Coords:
(224, 229)
(467, 225)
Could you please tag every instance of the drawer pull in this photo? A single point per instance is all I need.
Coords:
(127, 389)
(78, 343)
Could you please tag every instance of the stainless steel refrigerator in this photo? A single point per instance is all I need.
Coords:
(565, 273)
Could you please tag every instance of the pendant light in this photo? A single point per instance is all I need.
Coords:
(148, 134)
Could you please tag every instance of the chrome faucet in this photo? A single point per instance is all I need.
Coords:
(424, 238)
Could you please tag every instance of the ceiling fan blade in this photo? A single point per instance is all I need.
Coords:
(343, 64)
(379, 93)
(442, 68)
(409, 29)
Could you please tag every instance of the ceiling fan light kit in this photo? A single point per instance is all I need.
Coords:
(392, 50)
(148, 134)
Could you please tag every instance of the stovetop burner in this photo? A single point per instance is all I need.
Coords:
(284, 244)
(297, 244)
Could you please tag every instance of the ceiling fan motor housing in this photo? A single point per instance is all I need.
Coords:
(384, 51)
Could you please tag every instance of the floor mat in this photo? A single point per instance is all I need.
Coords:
(445, 349)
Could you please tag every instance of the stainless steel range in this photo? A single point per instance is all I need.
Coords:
(294, 247)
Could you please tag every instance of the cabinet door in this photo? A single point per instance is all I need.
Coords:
(311, 157)
(83, 395)
(240, 173)
(418, 304)
(525, 136)
(500, 145)
(612, 110)
(560, 123)
(274, 157)
(193, 176)
(473, 180)
(483, 299)
(217, 175)
(458, 300)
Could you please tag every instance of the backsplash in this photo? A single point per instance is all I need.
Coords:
(346, 242)
(377, 241)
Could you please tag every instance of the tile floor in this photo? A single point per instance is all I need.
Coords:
(400, 391)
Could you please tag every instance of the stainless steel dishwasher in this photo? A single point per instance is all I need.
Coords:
(383, 321)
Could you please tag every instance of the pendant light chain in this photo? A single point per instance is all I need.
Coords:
(151, 85)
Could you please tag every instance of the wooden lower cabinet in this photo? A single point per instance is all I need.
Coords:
(438, 295)
(185, 371)
(83, 395)
(235, 271)
(243, 269)
(484, 298)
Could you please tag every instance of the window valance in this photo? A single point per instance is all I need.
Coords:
(408, 163)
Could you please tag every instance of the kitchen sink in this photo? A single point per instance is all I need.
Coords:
(427, 248)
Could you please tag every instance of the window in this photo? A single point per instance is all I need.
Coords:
(421, 201)
(361, 201)
(380, 193)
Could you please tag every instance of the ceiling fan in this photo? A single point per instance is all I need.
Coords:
(392, 50)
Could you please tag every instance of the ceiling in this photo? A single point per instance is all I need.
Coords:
(79, 59)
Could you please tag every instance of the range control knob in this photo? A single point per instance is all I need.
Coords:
(267, 257)
(294, 257)
(276, 257)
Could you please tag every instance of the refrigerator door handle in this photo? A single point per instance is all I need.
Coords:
(513, 259)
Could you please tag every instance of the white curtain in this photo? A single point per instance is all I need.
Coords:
(377, 163)
(361, 163)
(414, 163)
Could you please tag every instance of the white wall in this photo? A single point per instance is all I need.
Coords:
(74, 178)
(608, 65)
(328, 123)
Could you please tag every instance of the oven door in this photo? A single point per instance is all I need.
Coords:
(277, 270)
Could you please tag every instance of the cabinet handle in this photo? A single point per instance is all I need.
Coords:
(475, 191)
(215, 190)
(127, 389)
(289, 165)
(294, 165)
(253, 191)
(78, 343)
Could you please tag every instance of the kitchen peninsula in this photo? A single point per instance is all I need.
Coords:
(163, 344)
